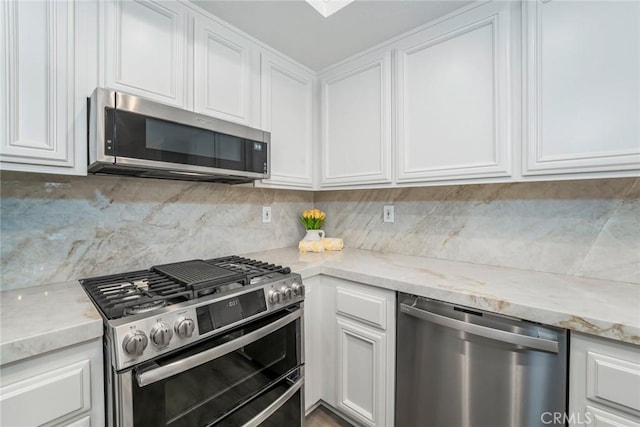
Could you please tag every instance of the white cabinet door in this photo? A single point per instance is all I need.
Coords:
(582, 97)
(60, 388)
(604, 382)
(360, 350)
(313, 348)
(453, 89)
(37, 98)
(356, 122)
(226, 73)
(82, 422)
(59, 392)
(361, 372)
(287, 112)
(146, 47)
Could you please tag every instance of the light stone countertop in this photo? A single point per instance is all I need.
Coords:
(593, 306)
(40, 319)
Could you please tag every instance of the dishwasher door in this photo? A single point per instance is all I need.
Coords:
(461, 367)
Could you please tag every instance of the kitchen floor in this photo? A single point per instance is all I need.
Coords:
(322, 417)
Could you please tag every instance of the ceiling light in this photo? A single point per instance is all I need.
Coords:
(328, 7)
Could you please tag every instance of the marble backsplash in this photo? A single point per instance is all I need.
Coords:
(588, 228)
(57, 228)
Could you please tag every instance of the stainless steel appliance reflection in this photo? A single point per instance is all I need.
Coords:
(469, 368)
(203, 343)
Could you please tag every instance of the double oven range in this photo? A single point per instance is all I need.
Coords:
(214, 342)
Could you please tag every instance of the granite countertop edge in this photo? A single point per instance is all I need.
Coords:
(603, 308)
(597, 307)
(41, 319)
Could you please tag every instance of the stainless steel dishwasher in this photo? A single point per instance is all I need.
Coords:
(462, 367)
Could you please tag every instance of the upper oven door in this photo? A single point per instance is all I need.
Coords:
(212, 381)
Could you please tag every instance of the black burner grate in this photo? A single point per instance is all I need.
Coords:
(248, 266)
(114, 294)
(120, 294)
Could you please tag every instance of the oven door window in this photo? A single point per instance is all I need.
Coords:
(210, 392)
(141, 137)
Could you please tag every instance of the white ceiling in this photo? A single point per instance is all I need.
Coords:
(296, 29)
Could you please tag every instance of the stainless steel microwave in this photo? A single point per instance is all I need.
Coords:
(130, 135)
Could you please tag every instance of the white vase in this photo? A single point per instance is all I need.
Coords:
(314, 235)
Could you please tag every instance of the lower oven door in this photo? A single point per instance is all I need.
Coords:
(252, 375)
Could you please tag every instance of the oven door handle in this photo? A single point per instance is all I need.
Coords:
(277, 404)
(171, 369)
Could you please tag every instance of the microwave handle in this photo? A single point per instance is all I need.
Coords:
(154, 375)
(277, 404)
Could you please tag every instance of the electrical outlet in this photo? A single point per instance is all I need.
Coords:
(388, 214)
(266, 214)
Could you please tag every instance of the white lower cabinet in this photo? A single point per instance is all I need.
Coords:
(61, 388)
(350, 349)
(313, 352)
(361, 366)
(604, 383)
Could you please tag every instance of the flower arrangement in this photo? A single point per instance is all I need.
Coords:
(312, 219)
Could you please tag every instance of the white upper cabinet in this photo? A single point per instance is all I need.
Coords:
(146, 49)
(44, 73)
(227, 73)
(287, 112)
(582, 97)
(453, 98)
(356, 122)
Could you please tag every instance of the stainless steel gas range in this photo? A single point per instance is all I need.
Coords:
(214, 342)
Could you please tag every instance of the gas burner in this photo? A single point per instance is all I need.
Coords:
(145, 307)
(142, 291)
(123, 294)
(150, 313)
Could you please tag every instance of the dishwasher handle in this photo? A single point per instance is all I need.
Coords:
(541, 344)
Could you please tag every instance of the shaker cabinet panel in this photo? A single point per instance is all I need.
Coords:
(356, 122)
(226, 73)
(37, 84)
(60, 392)
(604, 382)
(287, 112)
(59, 388)
(146, 47)
(361, 372)
(599, 418)
(452, 91)
(582, 90)
(313, 345)
(360, 350)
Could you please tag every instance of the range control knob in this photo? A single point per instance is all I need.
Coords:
(287, 292)
(134, 343)
(161, 335)
(298, 289)
(184, 327)
(275, 297)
